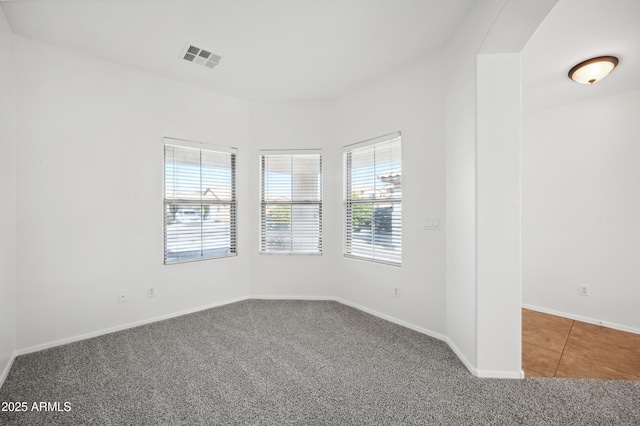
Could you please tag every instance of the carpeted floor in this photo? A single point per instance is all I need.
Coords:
(290, 362)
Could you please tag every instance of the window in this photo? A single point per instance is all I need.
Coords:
(199, 201)
(291, 197)
(373, 200)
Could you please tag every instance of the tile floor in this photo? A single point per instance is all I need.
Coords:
(554, 346)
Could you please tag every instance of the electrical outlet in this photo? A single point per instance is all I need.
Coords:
(151, 292)
(396, 291)
(122, 296)
(584, 290)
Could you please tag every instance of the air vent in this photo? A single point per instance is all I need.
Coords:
(200, 56)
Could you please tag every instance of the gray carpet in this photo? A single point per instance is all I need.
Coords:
(291, 362)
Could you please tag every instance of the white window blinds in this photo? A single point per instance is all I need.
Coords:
(291, 198)
(373, 199)
(199, 201)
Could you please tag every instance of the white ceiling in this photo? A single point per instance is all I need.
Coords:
(271, 49)
(576, 30)
(320, 49)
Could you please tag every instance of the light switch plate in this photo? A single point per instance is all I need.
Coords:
(432, 224)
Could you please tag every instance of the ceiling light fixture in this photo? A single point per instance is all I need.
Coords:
(592, 70)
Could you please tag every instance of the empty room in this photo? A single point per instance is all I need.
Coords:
(328, 212)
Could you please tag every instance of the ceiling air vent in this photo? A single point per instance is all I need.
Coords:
(200, 56)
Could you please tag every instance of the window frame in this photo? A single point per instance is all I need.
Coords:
(232, 202)
(348, 200)
(264, 203)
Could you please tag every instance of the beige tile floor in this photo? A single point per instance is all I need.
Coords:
(554, 346)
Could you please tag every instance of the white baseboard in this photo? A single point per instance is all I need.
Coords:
(289, 297)
(583, 319)
(487, 374)
(497, 374)
(436, 335)
(358, 307)
(473, 370)
(393, 319)
(97, 333)
(5, 372)
(461, 357)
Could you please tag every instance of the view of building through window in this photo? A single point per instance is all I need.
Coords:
(373, 199)
(199, 200)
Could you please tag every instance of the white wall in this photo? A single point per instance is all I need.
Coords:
(89, 204)
(8, 191)
(498, 134)
(89, 169)
(581, 206)
(461, 179)
(483, 251)
(410, 101)
(292, 125)
(89, 207)
(498, 215)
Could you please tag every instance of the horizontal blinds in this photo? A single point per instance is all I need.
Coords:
(291, 199)
(200, 203)
(373, 200)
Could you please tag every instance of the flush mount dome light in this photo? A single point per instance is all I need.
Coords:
(592, 70)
